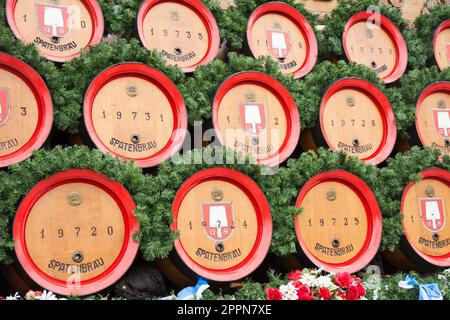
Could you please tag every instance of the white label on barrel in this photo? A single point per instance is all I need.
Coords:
(177, 32)
(433, 121)
(84, 237)
(352, 123)
(276, 35)
(61, 29)
(371, 46)
(132, 117)
(217, 234)
(257, 128)
(19, 113)
(425, 217)
(442, 49)
(333, 230)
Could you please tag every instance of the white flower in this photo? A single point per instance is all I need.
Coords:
(14, 297)
(324, 282)
(47, 295)
(289, 292)
(442, 277)
(308, 280)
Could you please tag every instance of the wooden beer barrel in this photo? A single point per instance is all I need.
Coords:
(340, 226)
(135, 112)
(256, 115)
(225, 227)
(26, 110)
(357, 118)
(73, 232)
(441, 45)
(426, 243)
(278, 30)
(184, 31)
(380, 48)
(433, 118)
(59, 28)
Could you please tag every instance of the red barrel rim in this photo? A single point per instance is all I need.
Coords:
(384, 107)
(437, 87)
(157, 78)
(44, 102)
(374, 228)
(205, 15)
(444, 25)
(396, 37)
(98, 27)
(300, 21)
(259, 201)
(120, 265)
(444, 177)
(284, 97)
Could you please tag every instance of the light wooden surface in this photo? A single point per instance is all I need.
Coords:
(343, 123)
(425, 123)
(229, 120)
(190, 215)
(323, 221)
(168, 26)
(26, 18)
(320, 7)
(21, 123)
(377, 53)
(275, 22)
(53, 213)
(117, 115)
(413, 224)
(442, 54)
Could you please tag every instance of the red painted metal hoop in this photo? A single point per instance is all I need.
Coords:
(396, 36)
(437, 87)
(157, 78)
(98, 26)
(284, 97)
(44, 102)
(204, 14)
(444, 25)
(374, 229)
(264, 238)
(302, 24)
(444, 177)
(384, 107)
(123, 261)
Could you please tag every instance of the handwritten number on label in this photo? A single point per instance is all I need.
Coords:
(190, 225)
(200, 36)
(356, 221)
(77, 230)
(83, 24)
(245, 224)
(119, 115)
(60, 233)
(94, 231)
(277, 122)
(110, 230)
(165, 32)
(345, 222)
(23, 111)
(25, 18)
(42, 234)
(147, 116)
(134, 115)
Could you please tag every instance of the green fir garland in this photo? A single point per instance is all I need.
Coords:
(77, 75)
(393, 179)
(335, 23)
(420, 39)
(17, 182)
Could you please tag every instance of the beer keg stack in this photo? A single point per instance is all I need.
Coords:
(179, 140)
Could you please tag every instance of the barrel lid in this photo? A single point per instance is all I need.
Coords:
(356, 117)
(224, 222)
(26, 110)
(136, 113)
(184, 31)
(433, 116)
(441, 45)
(70, 244)
(340, 226)
(59, 29)
(424, 207)
(256, 115)
(377, 44)
(280, 31)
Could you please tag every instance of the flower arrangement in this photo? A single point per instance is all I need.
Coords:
(310, 284)
(34, 295)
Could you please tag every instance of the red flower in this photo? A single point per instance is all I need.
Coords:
(361, 290)
(273, 294)
(305, 293)
(324, 294)
(295, 275)
(343, 280)
(353, 293)
(342, 295)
